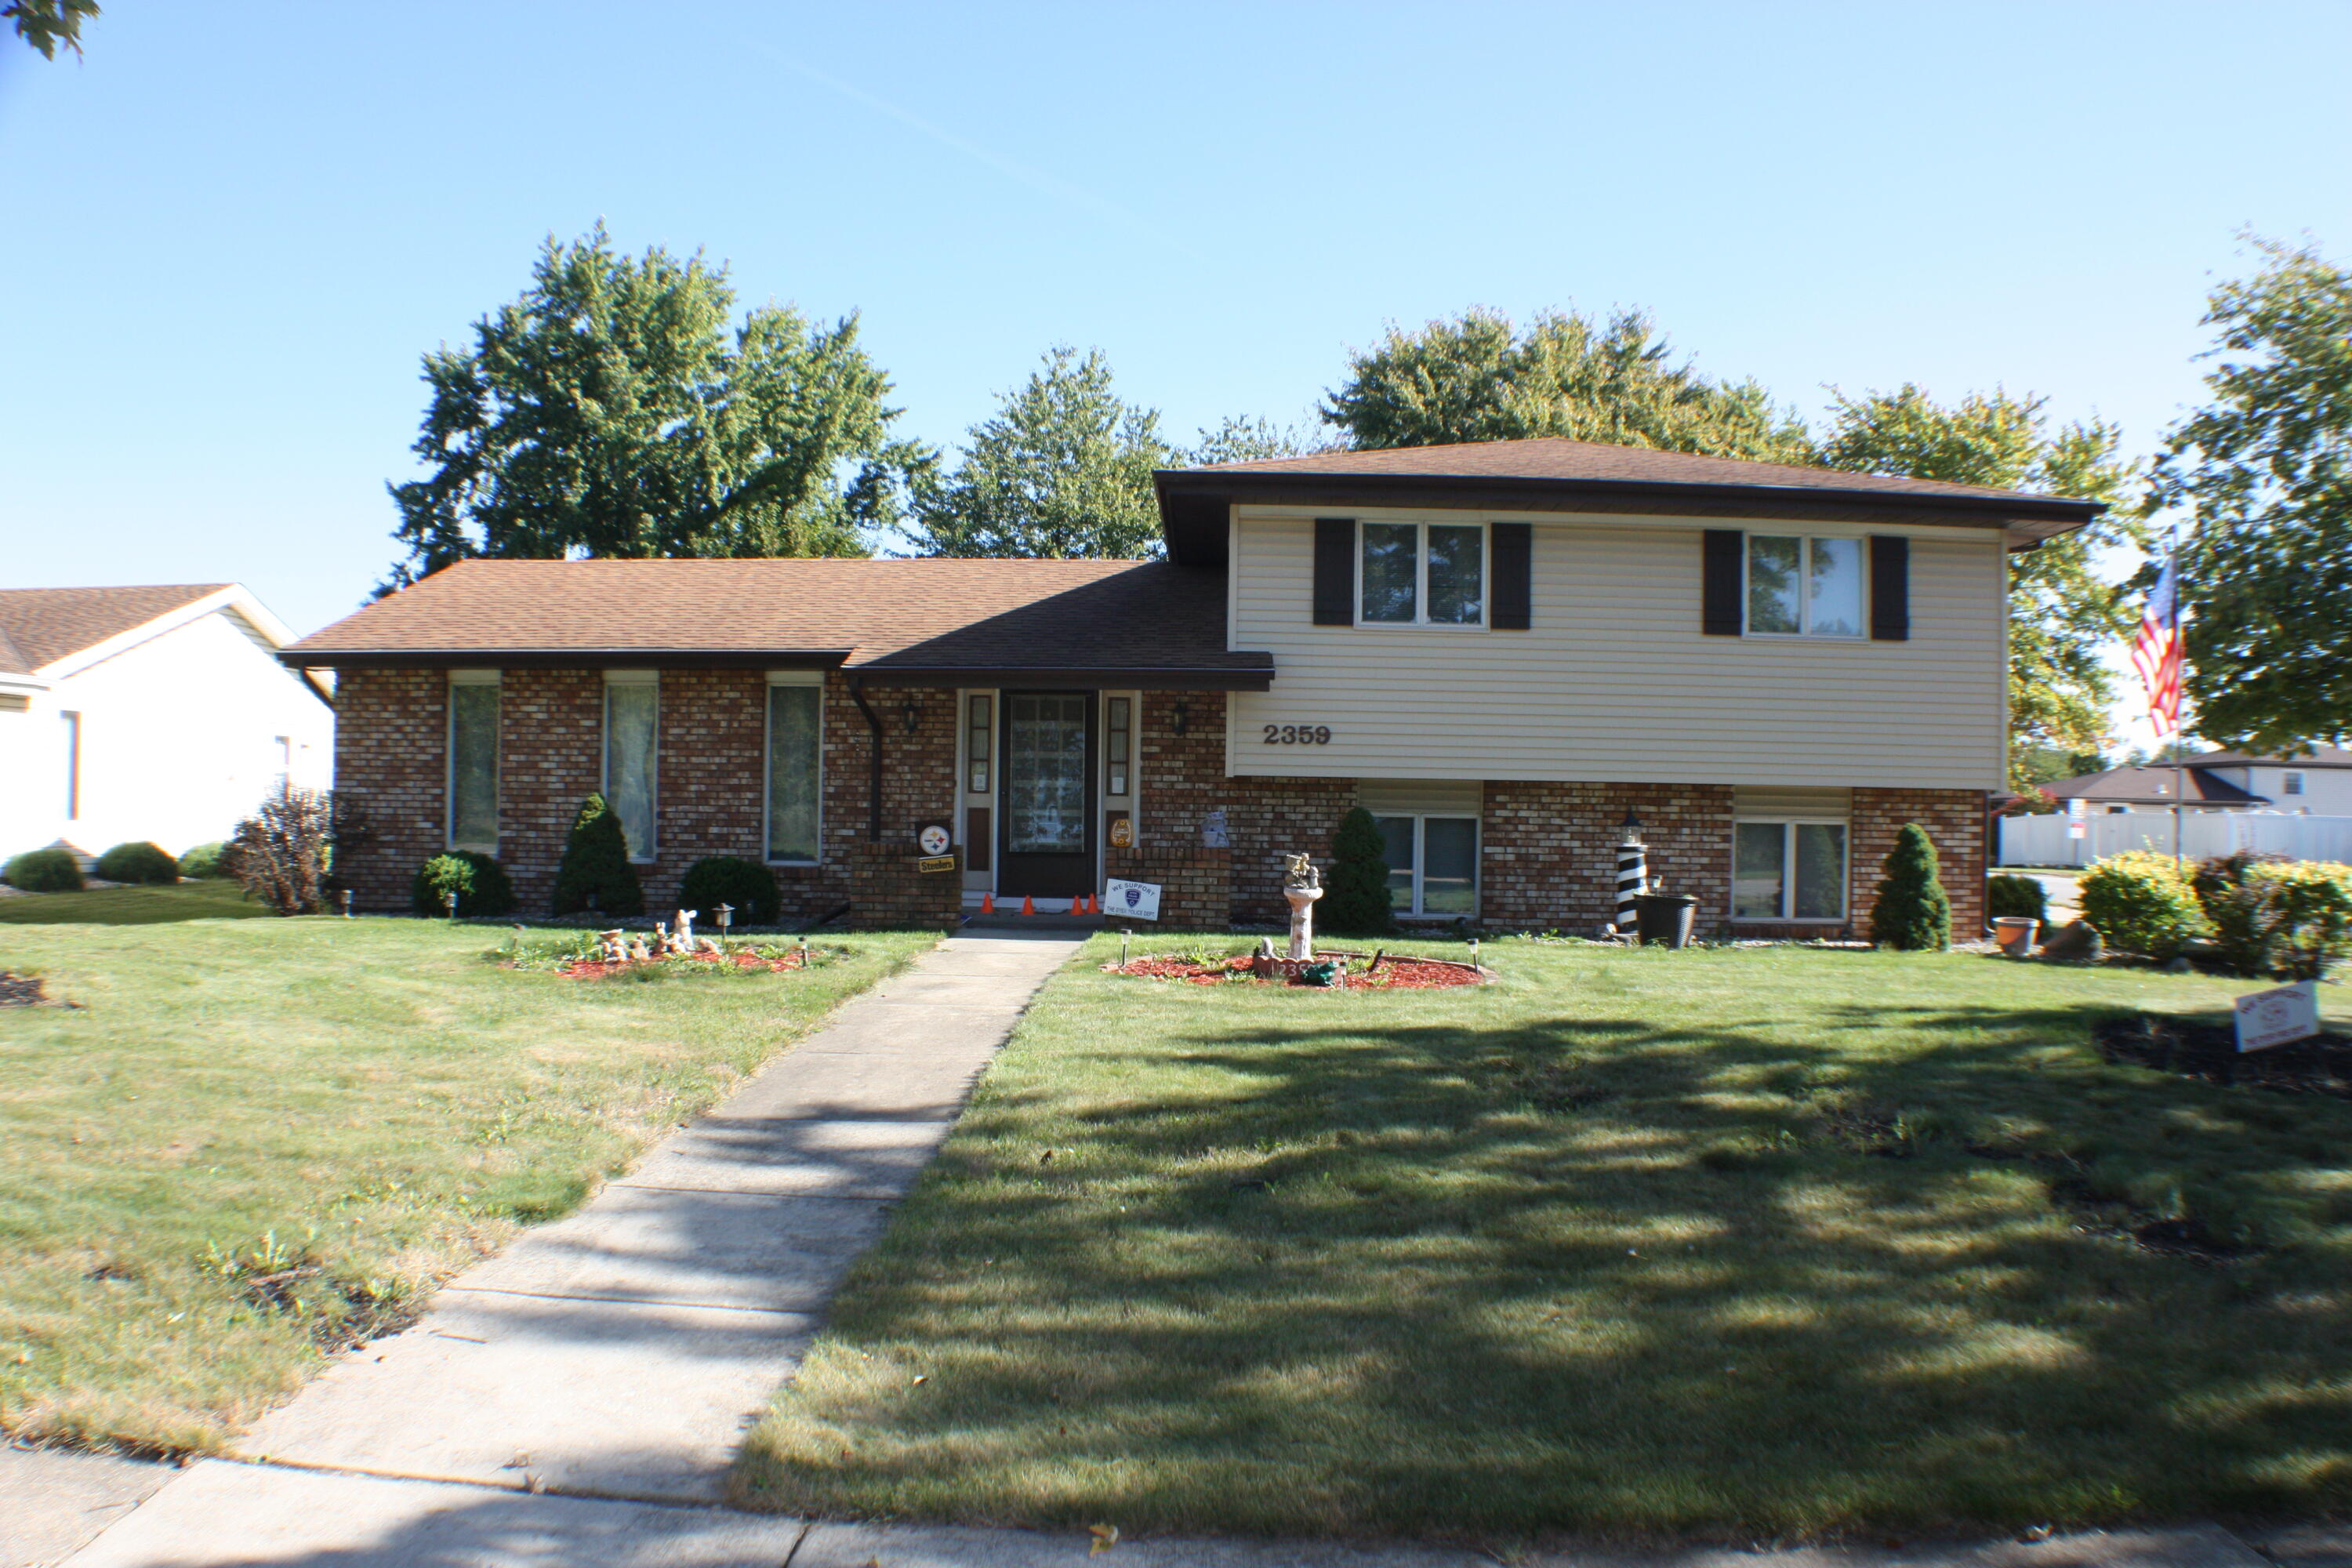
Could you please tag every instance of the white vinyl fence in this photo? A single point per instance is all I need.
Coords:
(2043, 841)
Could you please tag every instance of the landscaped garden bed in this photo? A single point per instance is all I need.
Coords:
(1331, 970)
(242, 1144)
(1744, 1242)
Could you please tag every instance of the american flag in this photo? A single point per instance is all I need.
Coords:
(2156, 652)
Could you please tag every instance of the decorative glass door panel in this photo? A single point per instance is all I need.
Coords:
(1046, 793)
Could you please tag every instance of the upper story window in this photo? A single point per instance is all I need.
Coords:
(474, 760)
(632, 725)
(1804, 587)
(1421, 573)
(2293, 783)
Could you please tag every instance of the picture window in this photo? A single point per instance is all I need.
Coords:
(1789, 871)
(1432, 864)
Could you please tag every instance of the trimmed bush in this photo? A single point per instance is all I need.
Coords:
(596, 873)
(480, 883)
(43, 871)
(149, 863)
(283, 854)
(718, 879)
(2019, 897)
(1912, 913)
(2142, 903)
(2272, 916)
(1356, 900)
(206, 860)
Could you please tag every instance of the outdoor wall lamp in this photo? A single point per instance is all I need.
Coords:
(906, 713)
(1183, 717)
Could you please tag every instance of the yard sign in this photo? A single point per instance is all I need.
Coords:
(1138, 899)
(2267, 1018)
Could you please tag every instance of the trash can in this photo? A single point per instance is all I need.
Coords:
(1667, 918)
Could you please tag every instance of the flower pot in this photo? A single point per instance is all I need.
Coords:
(2015, 933)
(1666, 918)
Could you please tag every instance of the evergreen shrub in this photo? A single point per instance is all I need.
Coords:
(1913, 914)
(596, 873)
(206, 860)
(2142, 902)
(481, 884)
(2012, 896)
(151, 864)
(718, 879)
(1356, 901)
(43, 871)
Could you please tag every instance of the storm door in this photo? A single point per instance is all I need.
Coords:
(1046, 795)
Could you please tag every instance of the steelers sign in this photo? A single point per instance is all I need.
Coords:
(934, 838)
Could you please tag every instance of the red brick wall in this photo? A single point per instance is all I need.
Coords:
(1181, 778)
(1548, 852)
(391, 763)
(550, 758)
(1954, 818)
(1270, 818)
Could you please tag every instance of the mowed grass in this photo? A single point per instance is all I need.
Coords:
(251, 1140)
(213, 899)
(1773, 1242)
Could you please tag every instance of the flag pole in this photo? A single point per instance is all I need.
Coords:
(2180, 734)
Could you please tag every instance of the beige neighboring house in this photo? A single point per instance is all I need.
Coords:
(159, 713)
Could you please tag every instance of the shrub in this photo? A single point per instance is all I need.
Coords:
(479, 882)
(283, 853)
(148, 863)
(596, 873)
(206, 860)
(718, 880)
(2022, 896)
(2272, 916)
(1912, 913)
(1356, 904)
(2142, 902)
(44, 872)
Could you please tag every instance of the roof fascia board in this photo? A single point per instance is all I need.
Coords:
(301, 658)
(1131, 680)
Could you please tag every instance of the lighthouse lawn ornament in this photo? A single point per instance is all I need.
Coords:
(1633, 878)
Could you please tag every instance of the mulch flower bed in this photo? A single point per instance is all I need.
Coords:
(19, 991)
(2321, 1065)
(1391, 974)
(596, 968)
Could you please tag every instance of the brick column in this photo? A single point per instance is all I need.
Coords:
(1954, 818)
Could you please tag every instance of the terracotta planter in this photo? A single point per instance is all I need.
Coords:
(2015, 934)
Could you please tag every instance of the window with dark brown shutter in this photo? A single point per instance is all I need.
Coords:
(1335, 571)
(1719, 614)
(1511, 548)
(1890, 588)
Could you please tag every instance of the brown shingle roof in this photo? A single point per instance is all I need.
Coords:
(886, 619)
(2320, 757)
(2153, 786)
(41, 626)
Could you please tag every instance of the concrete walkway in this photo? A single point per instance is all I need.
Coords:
(620, 1353)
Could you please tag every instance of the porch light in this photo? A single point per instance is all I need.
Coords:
(906, 711)
(1183, 717)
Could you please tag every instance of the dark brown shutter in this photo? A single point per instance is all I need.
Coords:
(1890, 587)
(1511, 548)
(1719, 597)
(1335, 571)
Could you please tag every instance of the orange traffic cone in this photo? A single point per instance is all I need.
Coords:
(1094, 905)
(1028, 905)
(988, 903)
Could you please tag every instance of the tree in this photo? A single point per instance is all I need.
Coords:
(46, 24)
(1063, 470)
(1240, 440)
(1358, 903)
(611, 411)
(2265, 471)
(1913, 914)
(1477, 378)
(596, 873)
(2062, 616)
(284, 853)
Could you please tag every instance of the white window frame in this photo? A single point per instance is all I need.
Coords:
(803, 678)
(605, 750)
(1804, 576)
(449, 763)
(1420, 621)
(1789, 826)
(2291, 784)
(74, 737)
(1421, 821)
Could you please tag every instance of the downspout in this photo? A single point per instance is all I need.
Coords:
(874, 778)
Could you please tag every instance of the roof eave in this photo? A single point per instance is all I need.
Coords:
(302, 657)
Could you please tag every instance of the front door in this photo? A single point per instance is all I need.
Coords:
(1045, 846)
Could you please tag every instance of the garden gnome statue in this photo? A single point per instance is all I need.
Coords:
(1301, 885)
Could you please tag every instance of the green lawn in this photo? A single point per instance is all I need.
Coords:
(214, 898)
(252, 1139)
(1765, 1241)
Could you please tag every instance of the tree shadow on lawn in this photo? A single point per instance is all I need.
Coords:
(1595, 1274)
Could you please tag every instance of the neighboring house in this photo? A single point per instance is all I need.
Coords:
(2319, 785)
(1500, 649)
(159, 713)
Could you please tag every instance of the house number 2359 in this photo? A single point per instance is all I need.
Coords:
(1299, 734)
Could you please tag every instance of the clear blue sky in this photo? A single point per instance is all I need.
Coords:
(232, 228)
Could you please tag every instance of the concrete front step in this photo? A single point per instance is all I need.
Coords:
(1001, 921)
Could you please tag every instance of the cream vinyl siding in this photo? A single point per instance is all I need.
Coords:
(1615, 682)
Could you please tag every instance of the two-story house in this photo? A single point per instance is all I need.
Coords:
(1503, 651)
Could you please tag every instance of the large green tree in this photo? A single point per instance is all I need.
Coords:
(1479, 378)
(613, 411)
(2064, 617)
(46, 24)
(1062, 469)
(2265, 470)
